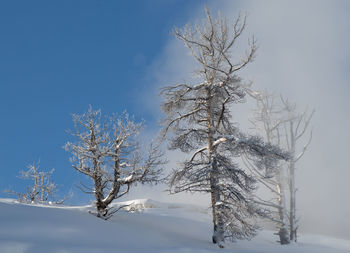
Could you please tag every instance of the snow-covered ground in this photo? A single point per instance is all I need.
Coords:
(150, 226)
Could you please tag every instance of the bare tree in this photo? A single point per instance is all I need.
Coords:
(107, 152)
(282, 125)
(295, 128)
(268, 120)
(200, 119)
(42, 188)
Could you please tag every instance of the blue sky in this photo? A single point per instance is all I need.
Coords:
(57, 57)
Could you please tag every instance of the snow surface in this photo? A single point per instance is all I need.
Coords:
(149, 226)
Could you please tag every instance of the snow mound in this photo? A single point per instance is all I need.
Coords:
(155, 227)
(142, 204)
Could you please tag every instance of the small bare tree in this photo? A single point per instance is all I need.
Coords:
(200, 120)
(294, 129)
(42, 188)
(107, 152)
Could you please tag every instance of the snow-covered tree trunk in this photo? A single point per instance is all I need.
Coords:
(219, 230)
(218, 226)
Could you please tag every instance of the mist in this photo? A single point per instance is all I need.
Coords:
(303, 54)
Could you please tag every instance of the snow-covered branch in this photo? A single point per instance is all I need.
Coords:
(108, 153)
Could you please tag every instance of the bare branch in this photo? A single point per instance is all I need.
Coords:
(109, 154)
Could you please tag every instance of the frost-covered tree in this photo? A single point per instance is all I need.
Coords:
(42, 189)
(198, 115)
(107, 151)
(295, 127)
(282, 125)
(268, 120)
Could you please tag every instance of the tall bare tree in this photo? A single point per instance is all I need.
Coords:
(268, 120)
(107, 151)
(282, 125)
(198, 115)
(295, 128)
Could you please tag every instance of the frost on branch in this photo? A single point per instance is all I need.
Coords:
(41, 189)
(106, 150)
(198, 122)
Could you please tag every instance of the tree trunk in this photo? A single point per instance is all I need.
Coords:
(42, 187)
(292, 214)
(283, 231)
(116, 185)
(100, 205)
(218, 233)
(292, 189)
(212, 195)
(97, 177)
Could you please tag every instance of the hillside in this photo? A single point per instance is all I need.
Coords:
(151, 227)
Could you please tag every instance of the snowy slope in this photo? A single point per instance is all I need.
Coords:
(157, 227)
